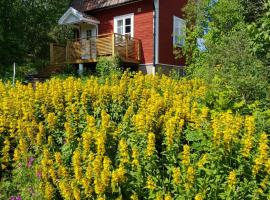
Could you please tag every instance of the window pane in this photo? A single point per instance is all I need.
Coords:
(179, 31)
(120, 30)
(89, 33)
(120, 26)
(128, 29)
(128, 21)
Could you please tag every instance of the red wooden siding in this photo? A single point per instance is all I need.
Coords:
(143, 24)
(168, 9)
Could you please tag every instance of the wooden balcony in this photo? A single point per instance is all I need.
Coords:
(89, 49)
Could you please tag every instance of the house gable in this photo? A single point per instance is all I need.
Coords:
(73, 16)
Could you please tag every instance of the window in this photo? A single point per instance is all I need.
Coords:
(89, 33)
(124, 25)
(179, 26)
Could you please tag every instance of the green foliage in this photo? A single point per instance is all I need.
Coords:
(23, 183)
(237, 75)
(107, 66)
(27, 27)
(260, 35)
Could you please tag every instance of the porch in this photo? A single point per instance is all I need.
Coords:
(87, 50)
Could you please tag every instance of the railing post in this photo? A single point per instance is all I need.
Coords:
(126, 38)
(51, 53)
(67, 51)
(113, 44)
(139, 50)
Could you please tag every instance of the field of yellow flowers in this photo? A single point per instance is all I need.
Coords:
(139, 137)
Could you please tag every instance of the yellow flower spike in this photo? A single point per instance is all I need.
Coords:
(150, 184)
(168, 197)
(202, 161)
(97, 165)
(118, 176)
(76, 193)
(135, 157)
(16, 155)
(100, 143)
(190, 177)
(51, 120)
(62, 171)
(5, 153)
(49, 191)
(68, 132)
(232, 179)
(176, 175)
(267, 166)
(134, 197)
(50, 141)
(58, 158)
(106, 173)
(123, 151)
(159, 196)
(150, 149)
(40, 134)
(198, 196)
(76, 162)
(52, 174)
(186, 155)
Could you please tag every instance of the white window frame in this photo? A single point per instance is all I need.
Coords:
(124, 17)
(175, 35)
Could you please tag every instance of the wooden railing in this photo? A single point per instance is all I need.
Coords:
(87, 50)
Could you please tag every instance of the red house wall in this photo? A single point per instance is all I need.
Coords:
(168, 9)
(143, 24)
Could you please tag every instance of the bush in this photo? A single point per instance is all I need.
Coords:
(232, 71)
(107, 66)
(145, 137)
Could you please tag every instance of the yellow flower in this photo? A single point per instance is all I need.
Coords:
(150, 184)
(100, 143)
(5, 153)
(232, 179)
(198, 197)
(118, 176)
(76, 161)
(76, 193)
(190, 177)
(65, 189)
(58, 158)
(135, 156)
(186, 155)
(40, 134)
(51, 119)
(106, 173)
(150, 144)
(134, 197)
(49, 190)
(202, 161)
(168, 197)
(123, 151)
(176, 175)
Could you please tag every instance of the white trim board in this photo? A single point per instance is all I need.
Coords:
(73, 16)
(123, 17)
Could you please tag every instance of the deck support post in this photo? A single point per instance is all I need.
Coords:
(113, 44)
(51, 53)
(80, 70)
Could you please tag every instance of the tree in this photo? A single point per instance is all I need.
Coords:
(26, 28)
(228, 63)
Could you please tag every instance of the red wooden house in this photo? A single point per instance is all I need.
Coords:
(144, 32)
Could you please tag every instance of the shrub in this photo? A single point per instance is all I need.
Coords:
(145, 137)
(109, 65)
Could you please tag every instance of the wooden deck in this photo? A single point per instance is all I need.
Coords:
(89, 49)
